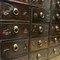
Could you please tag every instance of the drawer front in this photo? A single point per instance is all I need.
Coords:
(12, 49)
(9, 31)
(40, 55)
(39, 15)
(55, 29)
(55, 16)
(54, 41)
(38, 30)
(15, 12)
(55, 13)
(38, 43)
(54, 51)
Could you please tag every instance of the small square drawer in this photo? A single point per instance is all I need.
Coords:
(13, 30)
(38, 43)
(54, 51)
(14, 11)
(55, 29)
(38, 30)
(12, 49)
(39, 55)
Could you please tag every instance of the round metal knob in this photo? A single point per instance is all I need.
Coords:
(40, 43)
(58, 15)
(16, 29)
(42, 15)
(57, 28)
(54, 50)
(15, 47)
(39, 57)
(40, 29)
(15, 11)
(56, 40)
(58, 3)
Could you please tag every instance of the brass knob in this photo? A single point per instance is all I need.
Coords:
(56, 40)
(54, 50)
(40, 43)
(15, 47)
(58, 15)
(40, 29)
(42, 15)
(57, 28)
(16, 29)
(39, 57)
(15, 11)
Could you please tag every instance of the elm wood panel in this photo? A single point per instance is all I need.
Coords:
(9, 31)
(22, 11)
(13, 49)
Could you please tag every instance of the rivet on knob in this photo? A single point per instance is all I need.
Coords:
(15, 47)
(15, 11)
(16, 29)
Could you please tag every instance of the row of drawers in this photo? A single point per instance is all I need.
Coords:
(23, 30)
(13, 11)
(10, 51)
(20, 12)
